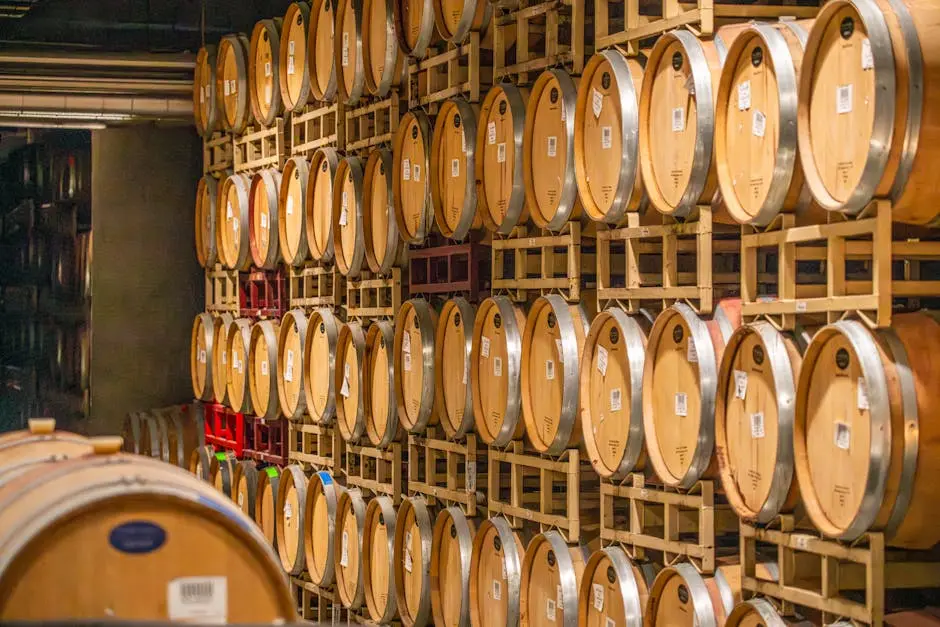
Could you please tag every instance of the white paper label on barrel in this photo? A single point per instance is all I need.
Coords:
(744, 96)
(345, 50)
(740, 384)
(682, 404)
(602, 360)
(844, 98)
(597, 102)
(616, 400)
(343, 216)
(678, 120)
(267, 94)
(757, 425)
(202, 356)
(344, 550)
(564, 113)
(454, 168)
(485, 346)
(290, 205)
(497, 590)
(201, 600)
(288, 512)
(224, 357)
(226, 88)
(229, 213)
(598, 596)
(290, 47)
(409, 563)
(264, 220)
(344, 389)
(463, 142)
(497, 367)
(558, 348)
(868, 59)
(466, 369)
(843, 436)
(290, 64)
(234, 86)
(692, 354)
(550, 609)
(606, 136)
(345, 199)
(552, 146)
(202, 94)
(609, 622)
(264, 367)
(241, 499)
(758, 124)
(471, 476)
(559, 599)
(406, 169)
(406, 343)
(417, 169)
(290, 366)
(491, 133)
(549, 369)
(862, 394)
(406, 361)
(501, 153)
(267, 68)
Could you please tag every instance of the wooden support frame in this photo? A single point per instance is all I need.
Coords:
(452, 70)
(541, 35)
(522, 487)
(314, 447)
(380, 471)
(257, 149)
(316, 604)
(218, 154)
(373, 123)
(374, 296)
(318, 126)
(223, 291)
(676, 525)
(448, 473)
(315, 285)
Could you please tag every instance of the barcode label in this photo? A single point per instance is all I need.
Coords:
(406, 170)
(757, 425)
(491, 133)
(597, 102)
(501, 152)
(406, 343)
(264, 220)
(678, 120)
(485, 346)
(288, 512)
(552, 146)
(843, 436)
(406, 362)
(497, 590)
(226, 89)
(606, 136)
(201, 600)
(550, 609)
(454, 168)
(549, 369)
(844, 98)
(234, 86)
(744, 96)
(345, 50)
(497, 367)
(202, 356)
(267, 68)
(602, 360)
(868, 59)
(682, 404)
(229, 214)
(692, 353)
(290, 64)
(740, 384)
(344, 550)
(560, 600)
(558, 349)
(598, 590)
(264, 368)
(759, 124)
(862, 394)
(289, 373)
(290, 47)
(616, 402)
(417, 172)
(343, 216)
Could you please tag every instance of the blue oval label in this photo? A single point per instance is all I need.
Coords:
(137, 537)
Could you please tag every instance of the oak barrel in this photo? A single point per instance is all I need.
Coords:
(54, 513)
(245, 490)
(231, 225)
(231, 82)
(378, 555)
(320, 46)
(323, 495)
(262, 219)
(201, 350)
(207, 199)
(496, 573)
(866, 127)
(289, 512)
(865, 448)
(264, 89)
(382, 423)
(499, 172)
(132, 431)
(39, 443)
(348, 381)
(291, 343)
(291, 211)
(384, 62)
(611, 383)
(220, 357)
(348, 235)
(263, 369)
(453, 186)
(453, 343)
(350, 525)
(614, 589)
(268, 483)
(320, 362)
(239, 341)
(348, 52)
(293, 78)
(414, 26)
(318, 205)
(385, 248)
(414, 366)
(182, 430)
(222, 471)
(680, 378)
(759, 612)
(411, 189)
(456, 19)
(548, 171)
(552, 344)
(451, 549)
(551, 579)
(495, 371)
(200, 461)
(414, 529)
(205, 104)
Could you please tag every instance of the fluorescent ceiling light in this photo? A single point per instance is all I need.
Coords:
(68, 115)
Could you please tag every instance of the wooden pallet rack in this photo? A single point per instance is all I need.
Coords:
(451, 70)
(694, 261)
(266, 440)
(890, 263)
(533, 261)
(814, 572)
(315, 285)
(314, 447)
(448, 473)
(373, 123)
(318, 126)
(260, 148)
(673, 525)
(218, 154)
(374, 296)
(552, 492)
(531, 36)
(450, 269)
(265, 294)
(223, 291)
(316, 604)
(380, 471)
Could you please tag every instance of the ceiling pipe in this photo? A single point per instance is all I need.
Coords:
(169, 61)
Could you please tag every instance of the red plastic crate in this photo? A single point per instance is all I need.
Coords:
(224, 428)
(266, 440)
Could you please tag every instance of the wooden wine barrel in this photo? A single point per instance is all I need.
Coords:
(456, 19)
(207, 195)
(155, 435)
(40, 443)
(320, 46)
(263, 85)
(680, 379)
(754, 420)
(495, 371)
(205, 106)
(453, 344)
(414, 26)
(759, 612)
(414, 529)
(414, 367)
(181, 431)
(200, 461)
(165, 519)
(384, 62)
(551, 578)
(131, 431)
(411, 189)
(263, 369)
(291, 214)
(239, 340)
(220, 357)
(348, 52)
(451, 548)
(382, 424)
(323, 495)
(551, 192)
(319, 359)
(496, 573)
(293, 78)
(865, 449)
(551, 350)
(453, 187)
(614, 589)
(348, 236)
(605, 122)
(611, 383)
(291, 344)
(318, 204)
(231, 226)
(245, 482)
(231, 82)
(755, 124)
(201, 349)
(222, 471)
(348, 381)
(262, 219)
(350, 525)
(499, 171)
(289, 515)
(865, 130)
(378, 554)
(384, 247)
(268, 484)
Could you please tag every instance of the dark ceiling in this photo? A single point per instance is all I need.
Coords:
(127, 25)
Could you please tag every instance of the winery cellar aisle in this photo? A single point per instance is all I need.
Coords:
(477, 313)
